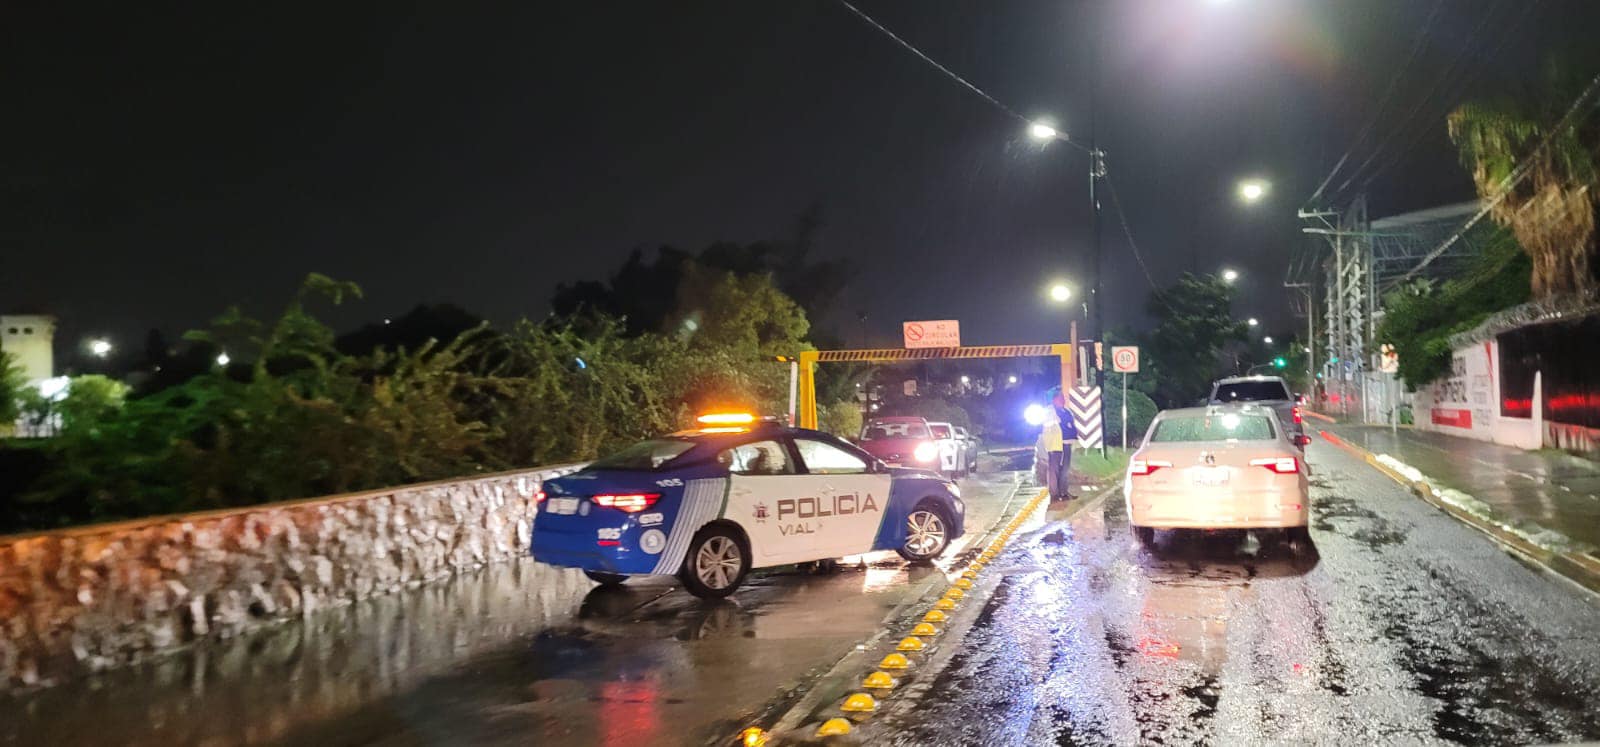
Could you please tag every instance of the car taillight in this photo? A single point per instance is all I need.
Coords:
(1280, 465)
(1297, 414)
(538, 497)
(1146, 466)
(630, 502)
(925, 452)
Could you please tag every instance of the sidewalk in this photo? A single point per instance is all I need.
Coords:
(1547, 497)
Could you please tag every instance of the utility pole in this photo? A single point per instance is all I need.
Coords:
(1311, 337)
(1097, 170)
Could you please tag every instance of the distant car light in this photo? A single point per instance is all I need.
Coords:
(1035, 414)
(925, 452)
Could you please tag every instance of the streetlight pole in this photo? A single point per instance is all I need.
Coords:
(1097, 170)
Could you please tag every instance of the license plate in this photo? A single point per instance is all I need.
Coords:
(562, 505)
(1209, 476)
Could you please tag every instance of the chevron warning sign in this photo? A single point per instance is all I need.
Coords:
(1084, 404)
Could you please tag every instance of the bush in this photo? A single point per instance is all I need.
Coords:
(1141, 410)
(842, 419)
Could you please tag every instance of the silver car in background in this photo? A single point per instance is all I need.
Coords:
(1218, 467)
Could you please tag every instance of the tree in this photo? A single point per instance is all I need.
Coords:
(1552, 210)
(12, 384)
(1420, 318)
(89, 400)
(1194, 322)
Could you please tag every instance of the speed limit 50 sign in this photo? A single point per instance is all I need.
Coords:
(1125, 359)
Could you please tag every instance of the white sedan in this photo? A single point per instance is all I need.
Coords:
(1218, 467)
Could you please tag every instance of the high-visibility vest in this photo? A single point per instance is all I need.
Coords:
(1052, 434)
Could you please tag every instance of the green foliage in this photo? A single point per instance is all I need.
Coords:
(293, 416)
(1420, 318)
(90, 400)
(12, 385)
(1552, 209)
(1141, 410)
(1194, 321)
(842, 419)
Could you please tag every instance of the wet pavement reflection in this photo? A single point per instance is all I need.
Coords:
(1396, 624)
(516, 652)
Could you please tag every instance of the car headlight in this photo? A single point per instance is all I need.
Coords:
(925, 452)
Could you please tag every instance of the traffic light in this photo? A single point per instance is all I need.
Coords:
(1279, 362)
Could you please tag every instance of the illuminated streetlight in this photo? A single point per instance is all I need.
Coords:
(222, 359)
(966, 380)
(1011, 379)
(1060, 293)
(1229, 275)
(1267, 340)
(1252, 322)
(1252, 190)
(1042, 131)
(100, 347)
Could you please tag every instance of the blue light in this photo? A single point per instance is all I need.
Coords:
(581, 364)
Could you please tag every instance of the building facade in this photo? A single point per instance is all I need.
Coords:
(30, 339)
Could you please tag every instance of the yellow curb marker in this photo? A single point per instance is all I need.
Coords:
(878, 681)
(859, 703)
(862, 703)
(834, 727)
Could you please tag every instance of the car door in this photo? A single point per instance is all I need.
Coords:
(767, 493)
(850, 492)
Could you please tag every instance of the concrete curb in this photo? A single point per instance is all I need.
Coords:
(1575, 567)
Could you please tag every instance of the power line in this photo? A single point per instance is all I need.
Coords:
(925, 58)
(1117, 203)
(1394, 80)
(1511, 33)
(1449, 72)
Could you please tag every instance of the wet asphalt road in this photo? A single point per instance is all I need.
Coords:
(1399, 625)
(515, 653)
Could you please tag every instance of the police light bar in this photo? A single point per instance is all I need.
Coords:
(726, 418)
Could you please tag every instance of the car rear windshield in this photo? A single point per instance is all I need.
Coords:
(645, 455)
(1223, 427)
(1251, 391)
(941, 431)
(894, 430)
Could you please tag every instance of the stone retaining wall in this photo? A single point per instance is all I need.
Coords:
(94, 597)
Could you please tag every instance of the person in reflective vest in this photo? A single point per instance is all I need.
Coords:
(1059, 433)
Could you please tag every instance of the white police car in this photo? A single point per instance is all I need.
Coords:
(709, 505)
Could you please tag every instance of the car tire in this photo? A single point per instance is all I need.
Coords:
(606, 579)
(1297, 535)
(927, 533)
(1145, 535)
(716, 563)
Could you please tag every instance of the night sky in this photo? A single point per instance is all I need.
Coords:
(159, 164)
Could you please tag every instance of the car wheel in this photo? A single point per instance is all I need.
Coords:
(606, 579)
(1297, 535)
(1145, 535)
(927, 533)
(716, 563)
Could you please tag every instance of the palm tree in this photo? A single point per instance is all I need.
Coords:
(1551, 210)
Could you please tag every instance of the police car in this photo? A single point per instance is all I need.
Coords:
(739, 493)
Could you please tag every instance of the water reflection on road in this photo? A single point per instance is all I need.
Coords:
(516, 652)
